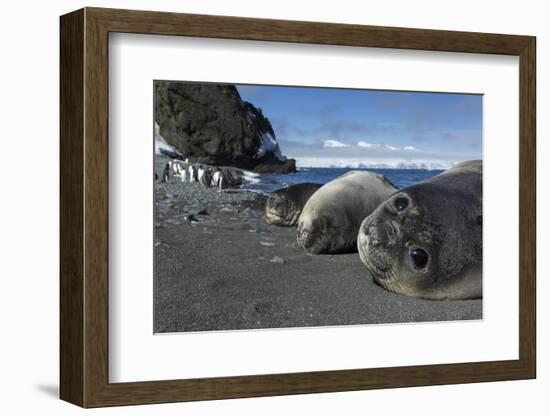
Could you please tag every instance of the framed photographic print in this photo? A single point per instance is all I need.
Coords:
(255, 207)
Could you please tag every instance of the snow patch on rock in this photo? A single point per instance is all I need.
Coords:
(269, 144)
(161, 147)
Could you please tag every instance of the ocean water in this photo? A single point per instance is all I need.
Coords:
(266, 183)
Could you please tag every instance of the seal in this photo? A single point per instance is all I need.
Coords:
(425, 241)
(284, 206)
(331, 218)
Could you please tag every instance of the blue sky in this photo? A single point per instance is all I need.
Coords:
(324, 126)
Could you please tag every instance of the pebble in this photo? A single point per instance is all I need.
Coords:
(277, 260)
(249, 213)
(261, 229)
(228, 210)
(202, 211)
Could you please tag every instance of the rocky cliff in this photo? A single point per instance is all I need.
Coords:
(210, 123)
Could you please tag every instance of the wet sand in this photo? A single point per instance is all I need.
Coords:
(219, 266)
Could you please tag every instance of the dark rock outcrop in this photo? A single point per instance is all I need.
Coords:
(211, 124)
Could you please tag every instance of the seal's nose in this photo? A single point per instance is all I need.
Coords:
(378, 235)
(374, 234)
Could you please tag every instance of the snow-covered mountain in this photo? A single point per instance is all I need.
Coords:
(317, 162)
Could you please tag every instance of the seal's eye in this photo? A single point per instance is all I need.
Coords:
(419, 257)
(401, 203)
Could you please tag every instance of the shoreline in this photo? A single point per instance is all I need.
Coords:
(219, 266)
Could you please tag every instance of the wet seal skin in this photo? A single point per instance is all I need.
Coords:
(284, 206)
(425, 241)
(331, 218)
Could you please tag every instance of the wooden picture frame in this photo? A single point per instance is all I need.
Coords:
(84, 207)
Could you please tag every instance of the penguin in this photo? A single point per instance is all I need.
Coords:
(192, 173)
(204, 177)
(222, 183)
(216, 178)
(200, 173)
(219, 180)
(176, 168)
(166, 173)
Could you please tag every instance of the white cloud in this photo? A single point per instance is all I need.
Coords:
(366, 145)
(334, 143)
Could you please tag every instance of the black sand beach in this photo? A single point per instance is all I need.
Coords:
(218, 266)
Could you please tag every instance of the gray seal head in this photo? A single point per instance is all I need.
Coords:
(425, 241)
(331, 218)
(284, 206)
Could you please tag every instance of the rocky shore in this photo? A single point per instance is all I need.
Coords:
(219, 266)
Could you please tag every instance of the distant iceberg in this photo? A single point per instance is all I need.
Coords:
(319, 162)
